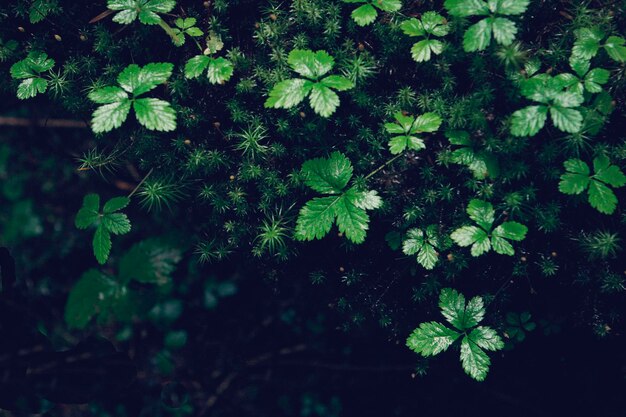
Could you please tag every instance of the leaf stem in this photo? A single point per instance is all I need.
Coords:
(382, 166)
(168, 29)
(140, 183)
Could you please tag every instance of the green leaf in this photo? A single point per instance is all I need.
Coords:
(595, 79)
(146, 10)
(35, 63)
(427, 257)
(155, 114)
(388, 5)
(102, 244)
(90, 295)
(413, 27)
(529, 120)
(196, 66)
(115, 204)
(452, 306)
(367, 200)
(364, 15)
(150, 261)
(587, 42)
(464, 8)
(474, 360)
(421, 51)
(288, 93)
(107, 95)
(504, 30)
(116, 223)
(434, 24)
(511, 230)
(486, 338)
(576, 180)
(148, 77)
(472, 235)
(185, 23)
(310, 64)
(328, 176)
(89, 212)
(478, 36)
(324, 101)
(602, 197)
(337, 82)
(510, 7)
(110, 116)
(219, 71)
(474, 313)
(352, 220)
(30, 87)
(482, 213)
(431, 338)
(607, 173)
(414, 242)
(566, 120)
(316, 218)
(615, 46)
(568, 99)
(398, 144)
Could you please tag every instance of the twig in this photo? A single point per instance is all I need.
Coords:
(25, 122)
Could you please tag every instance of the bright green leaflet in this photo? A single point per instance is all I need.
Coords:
(430, 25)
(483, 237)
(424, 244)
(481, 163)
(367, 13)
(406, 127)
(29, 71)
(107, 222)
(185, 27)
(502, 29)
(345, 206)
(318, 86)
(97, 294)
(152, 113)
(432, 338)
(549, 93)
(578, 179)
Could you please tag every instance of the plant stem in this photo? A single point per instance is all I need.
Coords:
(140, 183)
(374, 172)
(168, 29)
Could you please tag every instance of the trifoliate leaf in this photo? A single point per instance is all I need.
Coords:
(102, 244)
(464, 8)
(576, 180)
(364, 15)
(30, 87)
(435, 24)
(115, 204)
(504, 30)
(155, 114)
(417, 242)
(89, 212)
(328, 176)
(529, 120)
(90, 294)
(431, 338)
(474, 360)
(316, 218)
(615, 46)
(478, 36)
(110, 116)
(472, 235)
(324, 101)
(565, 119)
(35, 63)
(116, 223)
(288, 93)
